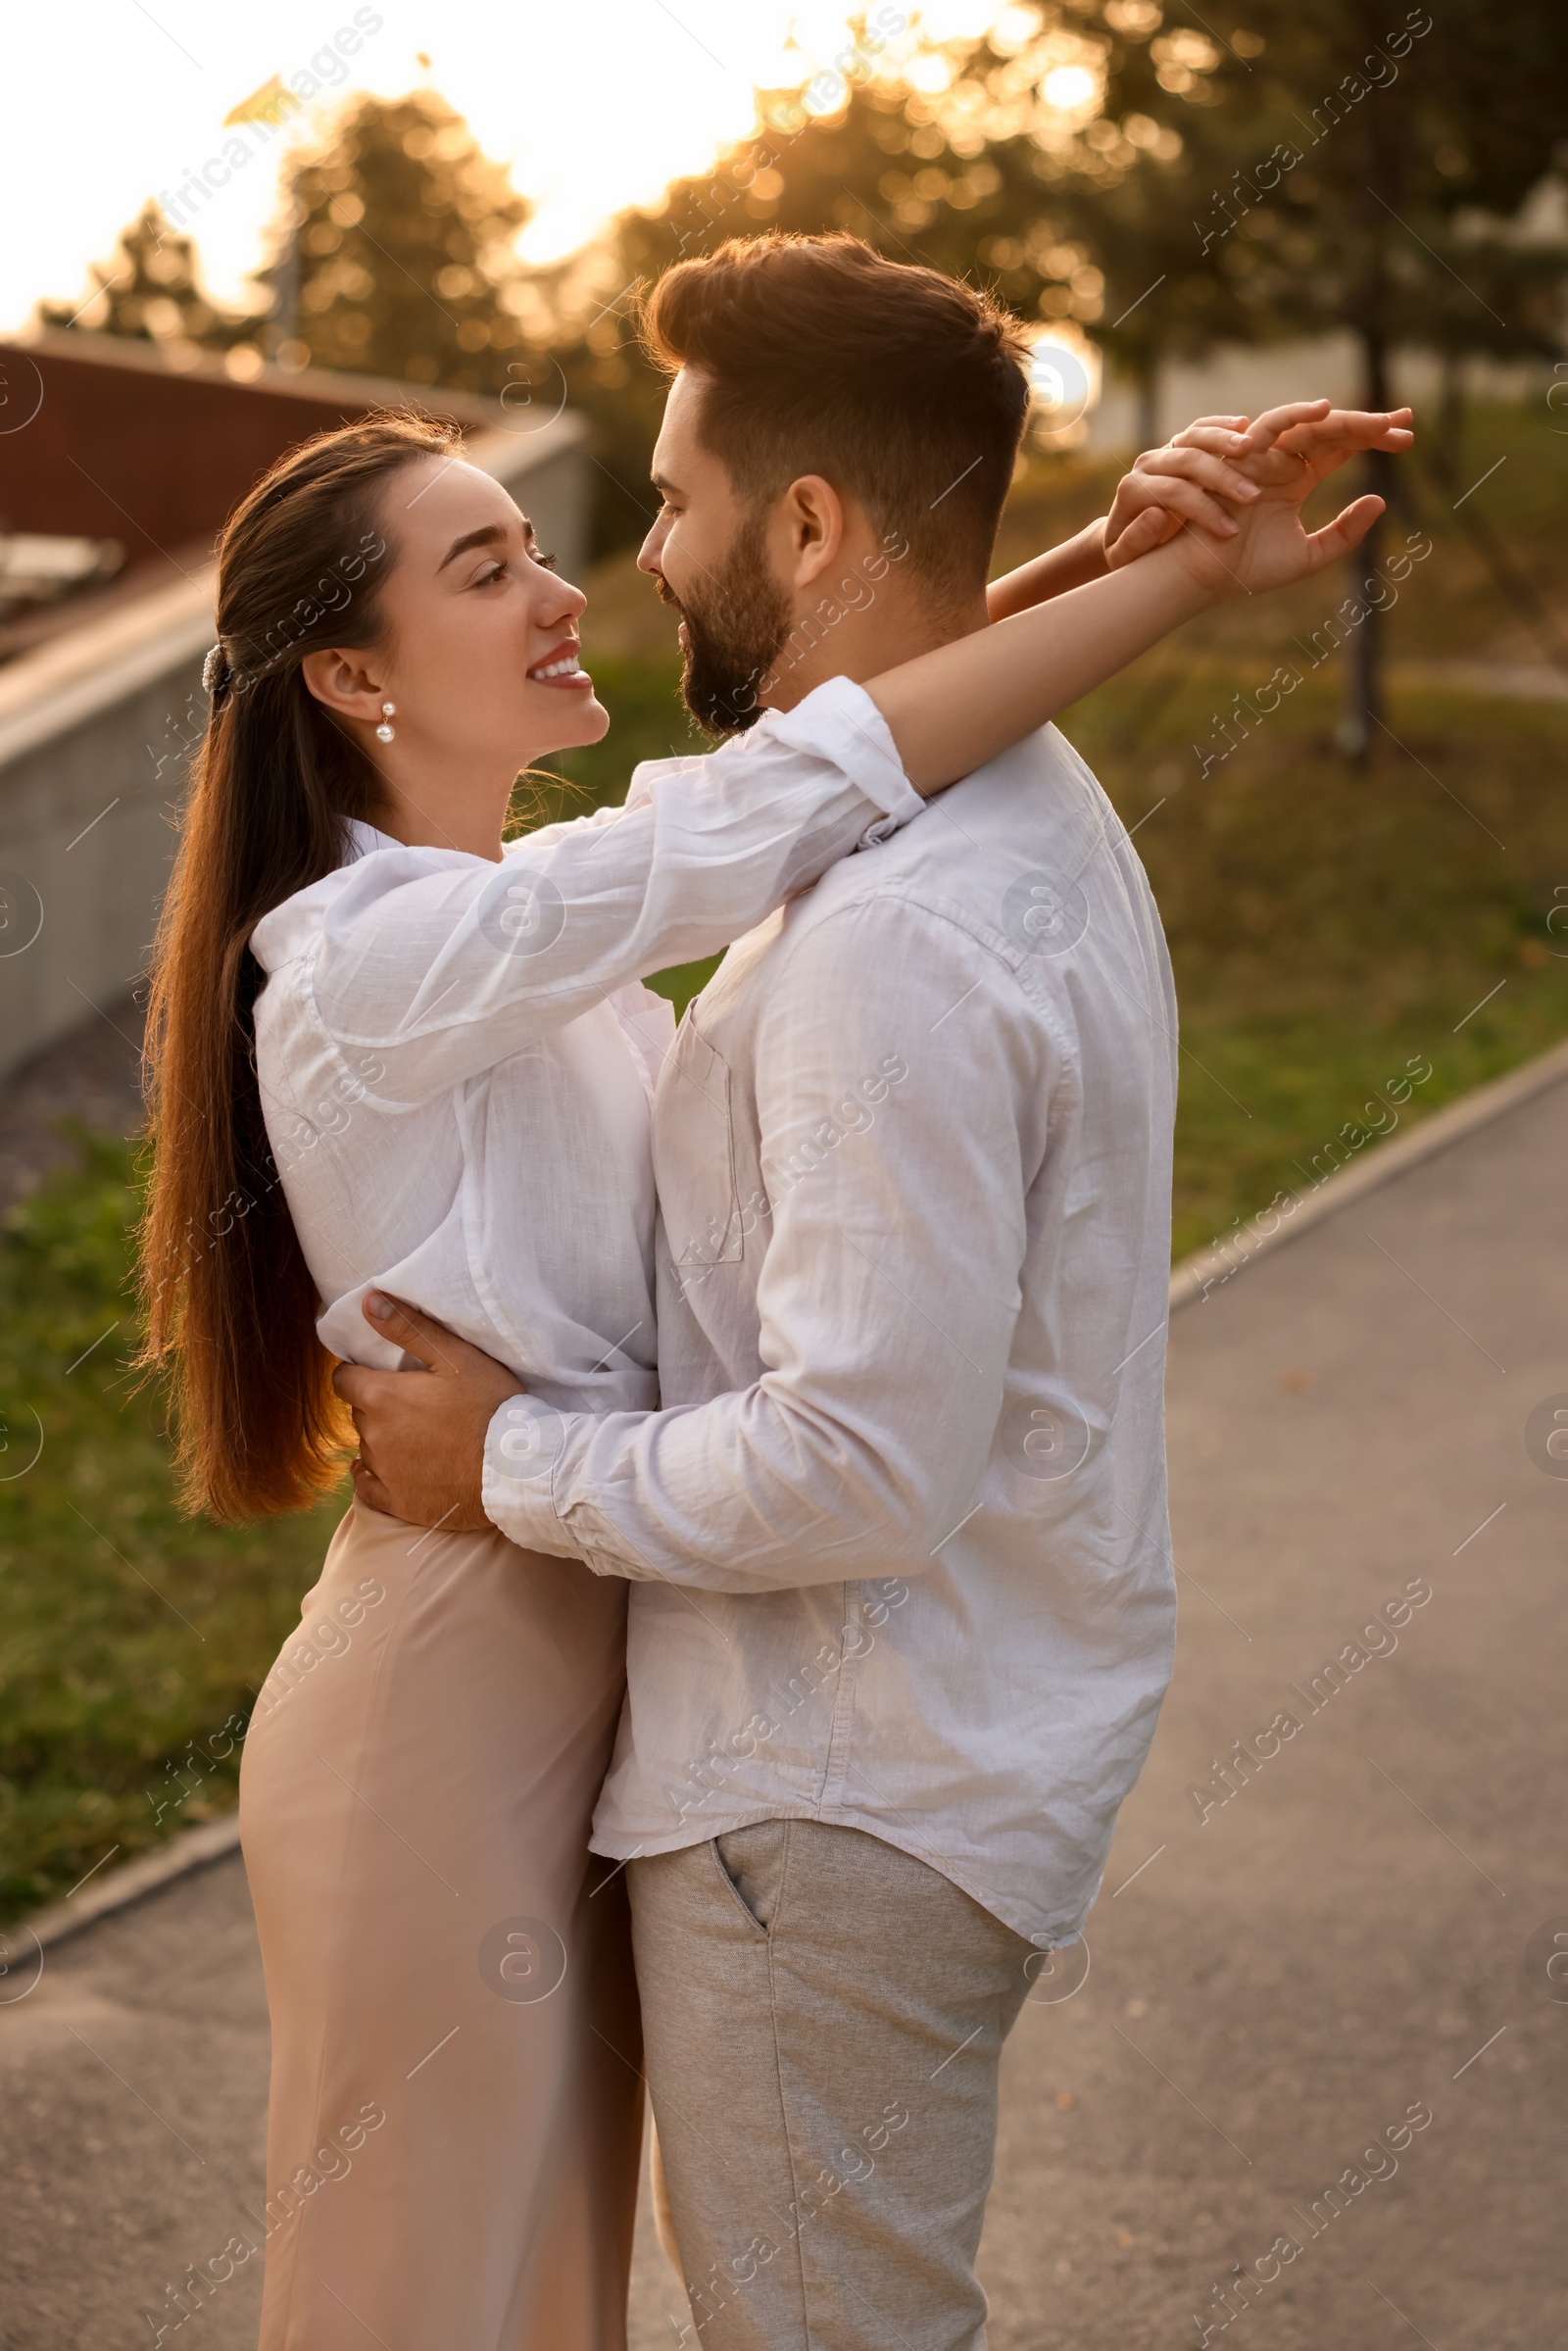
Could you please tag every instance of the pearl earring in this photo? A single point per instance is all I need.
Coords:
(384, 733)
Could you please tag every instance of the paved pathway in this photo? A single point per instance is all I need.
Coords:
(1347, 1938)
(1504, 681)
(1339, 1939)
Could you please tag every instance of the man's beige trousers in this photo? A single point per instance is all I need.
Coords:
(823, 2018)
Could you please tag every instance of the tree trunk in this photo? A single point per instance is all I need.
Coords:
(1448, 455)
(1363, 712)
(1149, 405)
(284, 325)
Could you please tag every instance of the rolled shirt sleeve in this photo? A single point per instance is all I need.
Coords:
(442, 964)
(902, 1092)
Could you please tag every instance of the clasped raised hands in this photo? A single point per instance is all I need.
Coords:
(1231, 490)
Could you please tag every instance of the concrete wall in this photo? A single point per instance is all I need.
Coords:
(113, 438)
(95, 731)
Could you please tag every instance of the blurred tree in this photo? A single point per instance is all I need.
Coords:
(1342, 171)
(150, 289)
(1089, 187)
(857, 145)
(396, 253)
(1165, 184)
(989, 159)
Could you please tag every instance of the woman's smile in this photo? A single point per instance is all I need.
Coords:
(560, 669)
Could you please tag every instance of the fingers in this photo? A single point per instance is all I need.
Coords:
(1131, 536)
(1267, 428)
(1186, 501)
(368, 1489)
(1301, 424)
(1344, 430)
(1224, 435)
(1197, 466)
(1344, 533)
(360, 1385)
(1151, 528)
(435, 1346)
(354, 1386)
(1363, 420)
(1141, 535)
(1371, 421)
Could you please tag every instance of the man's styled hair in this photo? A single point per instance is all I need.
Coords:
(895, 383)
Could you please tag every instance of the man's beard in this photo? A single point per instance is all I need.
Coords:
(737, 621)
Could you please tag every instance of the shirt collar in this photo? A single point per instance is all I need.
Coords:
(360, 839)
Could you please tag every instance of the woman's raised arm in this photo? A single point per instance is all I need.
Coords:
(440, 965)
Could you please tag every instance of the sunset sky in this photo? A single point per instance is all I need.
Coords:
(592, 109)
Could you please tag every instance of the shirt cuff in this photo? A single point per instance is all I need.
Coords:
(521, 1447)
(838, 721)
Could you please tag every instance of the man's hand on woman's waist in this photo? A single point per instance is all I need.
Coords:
(421, 1433)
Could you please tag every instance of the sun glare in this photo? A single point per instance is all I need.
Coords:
(1070, 88)
(1063, 385)
(662, 94)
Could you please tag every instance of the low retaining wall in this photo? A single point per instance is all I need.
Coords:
(95, 730)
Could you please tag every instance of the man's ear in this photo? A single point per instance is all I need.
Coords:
(813, 516)
(343, 682)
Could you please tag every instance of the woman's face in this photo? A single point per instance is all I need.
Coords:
(480, 654)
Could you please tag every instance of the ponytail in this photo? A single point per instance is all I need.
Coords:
(229, 1305)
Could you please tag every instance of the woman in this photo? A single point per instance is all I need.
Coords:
(385, 1056)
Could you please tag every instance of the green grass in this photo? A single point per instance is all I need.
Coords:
(1326, 926)
(131, 1640)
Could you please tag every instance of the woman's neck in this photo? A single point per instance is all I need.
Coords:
(437, 811)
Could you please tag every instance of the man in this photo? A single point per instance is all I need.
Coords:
(902, 1597)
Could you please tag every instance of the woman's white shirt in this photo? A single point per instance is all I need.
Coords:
(455, 1056)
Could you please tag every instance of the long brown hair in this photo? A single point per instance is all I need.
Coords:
(228, 1301)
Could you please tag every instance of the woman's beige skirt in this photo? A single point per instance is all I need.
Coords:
(455, 2110)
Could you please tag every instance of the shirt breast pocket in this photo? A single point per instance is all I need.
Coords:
(697, 1157)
